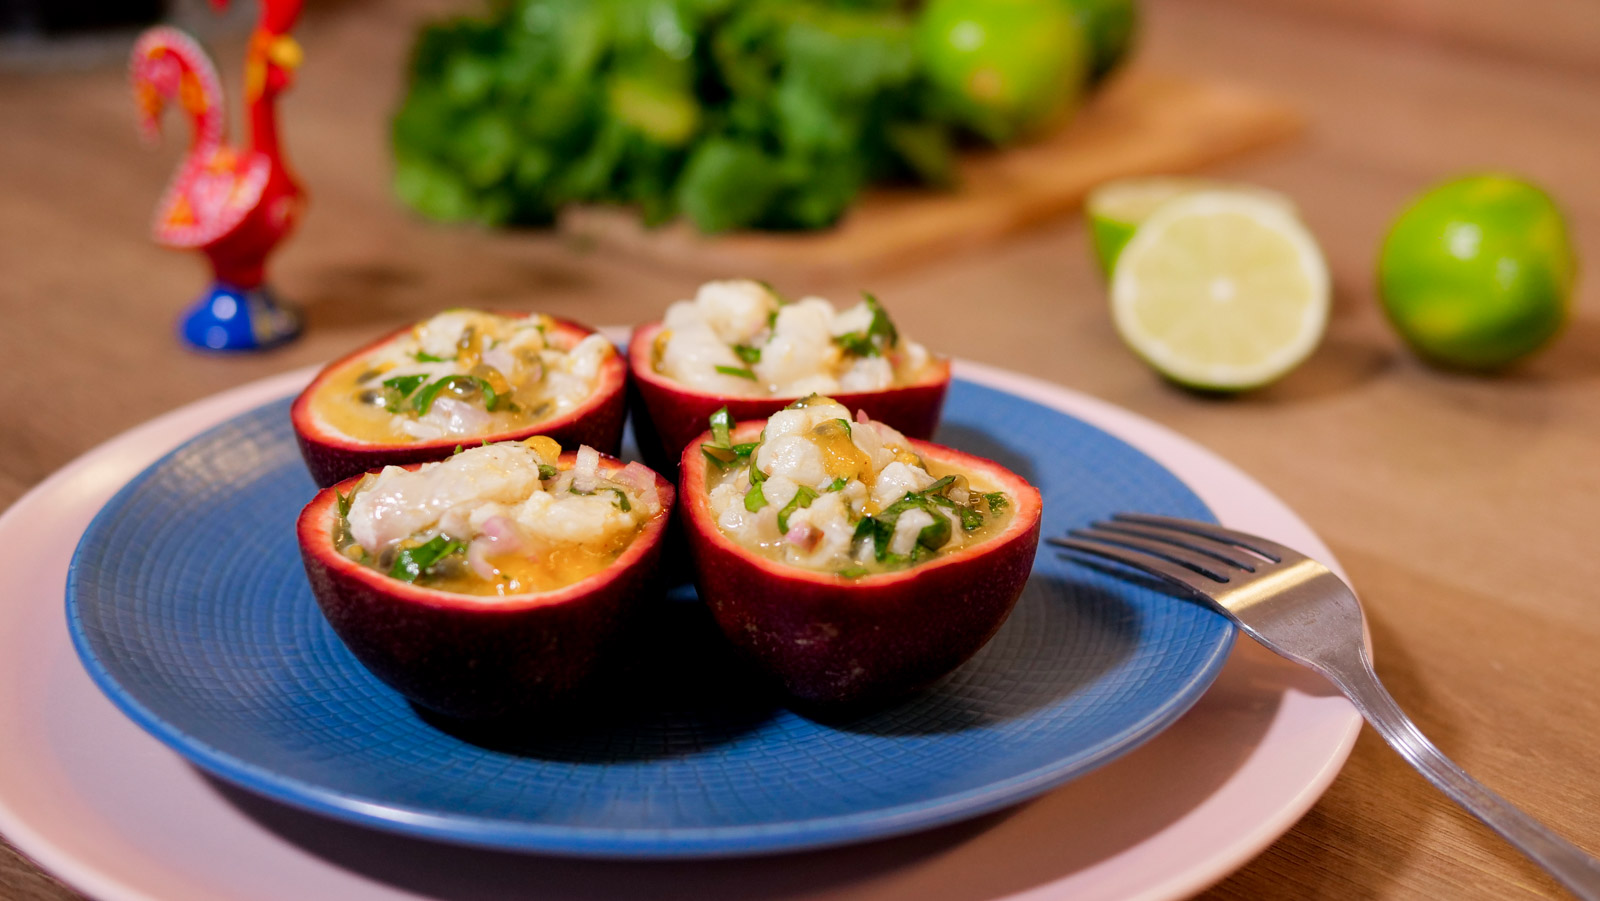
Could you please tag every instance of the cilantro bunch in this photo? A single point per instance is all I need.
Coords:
(734, 113)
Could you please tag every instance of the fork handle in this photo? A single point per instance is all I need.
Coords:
(1567, 862)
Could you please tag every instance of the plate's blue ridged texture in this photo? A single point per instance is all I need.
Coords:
(189, 606)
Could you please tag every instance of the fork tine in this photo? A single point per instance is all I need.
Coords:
(1227, 553)
(1155, 566)
(1272, 550)
(1205, 566)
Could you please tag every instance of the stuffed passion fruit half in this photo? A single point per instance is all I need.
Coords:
(853, 564)
(461, 377)
(740, 345)
(490, 582)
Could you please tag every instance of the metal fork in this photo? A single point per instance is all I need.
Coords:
(1303, 611)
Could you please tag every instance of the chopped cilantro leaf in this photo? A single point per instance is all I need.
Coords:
(547, 472)
(738, 372)
(405, 384)
(997, 501)
(721, 428)
(878, 338)
(747, 353)
(622, 499)
(753, 499)
(412, 563)
(721, 456)
(838, 484)
(801, 500)
(422, 401)
(423, 356)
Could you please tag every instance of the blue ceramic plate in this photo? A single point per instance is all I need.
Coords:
(188, 605)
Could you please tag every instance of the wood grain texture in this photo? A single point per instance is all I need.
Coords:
(1144, 123)
(1463, 507)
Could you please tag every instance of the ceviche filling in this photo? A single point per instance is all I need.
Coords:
(741, 338)
(461, 374)
(823, 492)
(500, 519)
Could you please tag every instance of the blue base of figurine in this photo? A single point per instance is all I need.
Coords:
(227, 318)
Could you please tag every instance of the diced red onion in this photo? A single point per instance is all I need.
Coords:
(639, 481)
(504, 533)
(803, 535)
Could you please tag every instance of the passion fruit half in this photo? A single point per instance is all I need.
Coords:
(668, 415)
(332, 455)
(475, 657)
(832, 641)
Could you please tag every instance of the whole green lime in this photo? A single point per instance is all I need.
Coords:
(1007, 69)
(1110, 27)
(1477, 273)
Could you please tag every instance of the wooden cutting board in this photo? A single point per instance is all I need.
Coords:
(1143, 123)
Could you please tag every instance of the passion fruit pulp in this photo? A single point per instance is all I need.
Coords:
(332, 456)
(834, 642)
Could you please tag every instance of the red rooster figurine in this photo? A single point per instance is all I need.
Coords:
(233, 203)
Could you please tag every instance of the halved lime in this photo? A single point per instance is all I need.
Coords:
(1221, 290)
(1116, 208)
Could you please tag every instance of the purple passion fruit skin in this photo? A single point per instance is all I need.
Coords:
(332, 457)
(472, 657)
(668, 416)
(836, 642)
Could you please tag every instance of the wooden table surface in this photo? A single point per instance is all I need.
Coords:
(1464, 508)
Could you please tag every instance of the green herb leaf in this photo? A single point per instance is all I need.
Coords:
(722, 456)
(997, 501)
(935, 535)
(456, 451)
(879, 338)
(547, 472)
(422, 401)
(721, 428)
(747, 353)
(423, 356)
(622, 499)
(405, 384)
(413, 563)
(343, 500)
(801, 500)
(838, 484)
(854, 572)
(970, 517)
(737, 372)
(746, 449)
(754, 500)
